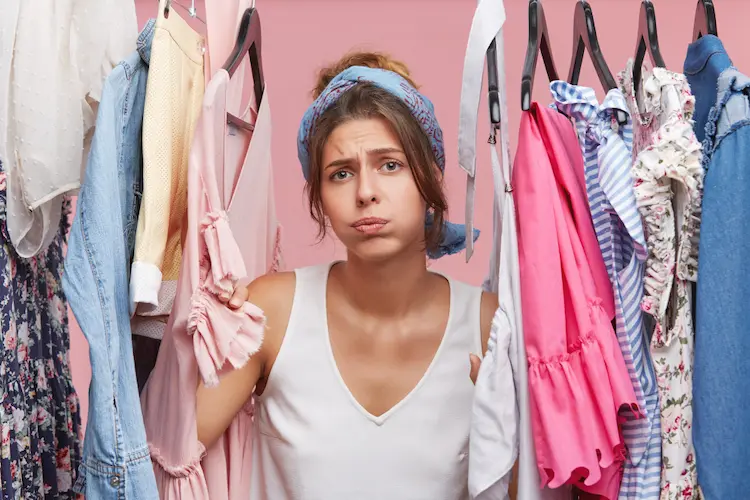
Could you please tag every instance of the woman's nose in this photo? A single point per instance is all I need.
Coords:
(366, 193)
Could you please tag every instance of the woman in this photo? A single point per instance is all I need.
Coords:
(362, 385)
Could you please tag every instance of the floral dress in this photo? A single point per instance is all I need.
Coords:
(39, 415)
(668, 180)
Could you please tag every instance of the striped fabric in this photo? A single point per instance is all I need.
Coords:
(607, 152)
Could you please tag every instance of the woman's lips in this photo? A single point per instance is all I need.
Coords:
(370, 225)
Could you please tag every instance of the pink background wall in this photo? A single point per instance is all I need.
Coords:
(300, 36)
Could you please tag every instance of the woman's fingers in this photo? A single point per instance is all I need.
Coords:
(238, 298)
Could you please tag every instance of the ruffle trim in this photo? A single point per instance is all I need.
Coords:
(193, 467)
(710, 129)
(278, 258)
(656, 86)
(176, 482)
(710, 141)
(227, 264)
(222, 335)
(580, 390)
(675, 156)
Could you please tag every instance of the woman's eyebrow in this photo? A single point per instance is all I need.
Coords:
(370, 152)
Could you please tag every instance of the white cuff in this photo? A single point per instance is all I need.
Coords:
(145, 282)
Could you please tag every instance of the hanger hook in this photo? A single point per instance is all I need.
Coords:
(252, 5)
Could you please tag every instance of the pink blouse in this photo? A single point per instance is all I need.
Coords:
(232, 235)
(577, 375)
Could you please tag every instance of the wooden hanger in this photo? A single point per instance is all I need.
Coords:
(705, 19)
(539, 41)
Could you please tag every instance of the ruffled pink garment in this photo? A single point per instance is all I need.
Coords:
(229, 238)
(577, 375)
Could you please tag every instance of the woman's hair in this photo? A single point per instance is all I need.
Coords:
(363, 101)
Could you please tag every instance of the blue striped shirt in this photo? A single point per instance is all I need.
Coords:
(607, 152)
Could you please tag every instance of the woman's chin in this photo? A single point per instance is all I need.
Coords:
(376, 249)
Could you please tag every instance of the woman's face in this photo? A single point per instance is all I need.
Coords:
(368, 192)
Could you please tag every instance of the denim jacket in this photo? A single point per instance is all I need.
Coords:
(721, 385)
(116, 461)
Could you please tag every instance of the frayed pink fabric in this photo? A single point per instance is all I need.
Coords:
(229, 239)
(224, 255)
(278, 260)
(222, 335)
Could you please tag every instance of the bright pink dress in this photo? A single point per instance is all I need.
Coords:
(577, 374)
(232, 235)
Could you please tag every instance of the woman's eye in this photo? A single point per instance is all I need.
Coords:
(391, 166)
(340, 175)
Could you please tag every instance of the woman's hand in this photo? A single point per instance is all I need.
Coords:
(236, 300)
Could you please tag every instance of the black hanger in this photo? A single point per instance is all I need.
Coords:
(705, 19)
(539, 41)
(248, 42)
(647, 42)
(492, 84)
(585, 39)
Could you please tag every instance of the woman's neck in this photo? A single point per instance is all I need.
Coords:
(389, 288)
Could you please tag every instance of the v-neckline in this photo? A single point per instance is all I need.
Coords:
(381, 419)
(245, 158)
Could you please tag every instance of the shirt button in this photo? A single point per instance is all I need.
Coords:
(114, 481)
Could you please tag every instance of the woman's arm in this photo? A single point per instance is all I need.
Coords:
(217, 406)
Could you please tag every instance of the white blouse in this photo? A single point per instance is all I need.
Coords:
(501, 418)
(54, 57)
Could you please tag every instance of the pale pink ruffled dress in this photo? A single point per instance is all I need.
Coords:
(577, 375)
(229, 238)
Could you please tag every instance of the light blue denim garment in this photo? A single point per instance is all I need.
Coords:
(721, 377)
(116, 462)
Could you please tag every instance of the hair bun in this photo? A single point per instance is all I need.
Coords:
(377, 60)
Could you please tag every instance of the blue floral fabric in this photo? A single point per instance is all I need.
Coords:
(39, 410)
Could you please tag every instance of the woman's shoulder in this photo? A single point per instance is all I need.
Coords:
(272, 286)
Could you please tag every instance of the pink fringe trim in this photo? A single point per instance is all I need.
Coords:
(227, 264)
(278, 258)
(222, 335)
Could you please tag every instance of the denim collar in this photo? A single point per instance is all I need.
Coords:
(144, 41)
(700, 51)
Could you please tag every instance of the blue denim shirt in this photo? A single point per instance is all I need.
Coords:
(706, 60)
(116, 462)
(721, 377)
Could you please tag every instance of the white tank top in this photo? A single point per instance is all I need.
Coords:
(313, 441)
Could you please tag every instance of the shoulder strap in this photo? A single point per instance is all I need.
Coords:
(467, 305)
(310, 287)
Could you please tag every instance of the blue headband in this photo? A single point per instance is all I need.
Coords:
(454, 235)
